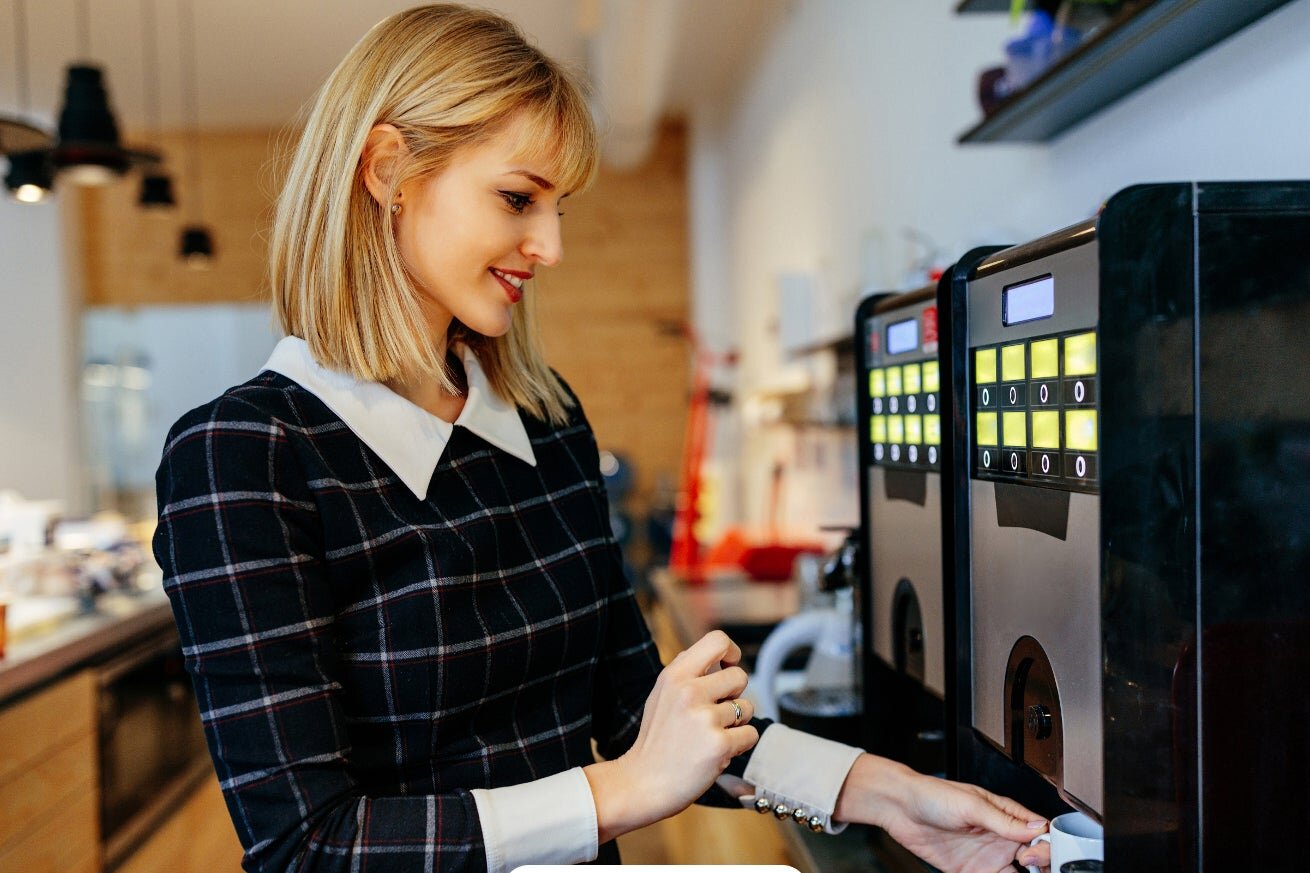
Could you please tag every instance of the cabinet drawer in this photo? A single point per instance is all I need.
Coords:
(62, 842)
(48, 787)
(37, 726)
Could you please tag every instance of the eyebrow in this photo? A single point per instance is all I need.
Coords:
(534, 179)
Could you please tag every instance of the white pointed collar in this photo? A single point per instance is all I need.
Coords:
(408, 439)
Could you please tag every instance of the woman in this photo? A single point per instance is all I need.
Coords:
(389, 553)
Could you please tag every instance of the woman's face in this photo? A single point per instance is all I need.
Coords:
(472, 235)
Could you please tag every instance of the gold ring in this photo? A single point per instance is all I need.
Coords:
(736, 709)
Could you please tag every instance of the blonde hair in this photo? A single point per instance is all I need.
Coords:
(446, 77)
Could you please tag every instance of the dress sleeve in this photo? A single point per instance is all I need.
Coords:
(630, 662)
(240, 543)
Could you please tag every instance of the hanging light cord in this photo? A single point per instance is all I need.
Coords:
(188, 46)
(20, 37)
(150, 52)
(83, 31)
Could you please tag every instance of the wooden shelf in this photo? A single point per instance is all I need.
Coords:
(967, 7)
(1142, 42)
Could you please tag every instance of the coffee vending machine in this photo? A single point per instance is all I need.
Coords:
(1129, 490)
(903, 640)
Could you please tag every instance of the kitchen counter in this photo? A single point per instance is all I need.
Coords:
(727, 600)
(37, 658)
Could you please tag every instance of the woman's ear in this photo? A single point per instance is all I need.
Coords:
(383, 151)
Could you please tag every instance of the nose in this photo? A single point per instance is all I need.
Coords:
(544, 243)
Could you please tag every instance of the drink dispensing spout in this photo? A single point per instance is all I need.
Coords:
(841, 570)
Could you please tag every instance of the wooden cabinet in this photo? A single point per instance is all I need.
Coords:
(197, 838)
(49, 799)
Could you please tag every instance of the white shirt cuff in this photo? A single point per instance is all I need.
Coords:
(800, 775)
(546, 821)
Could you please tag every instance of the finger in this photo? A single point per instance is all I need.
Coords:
(725, 684)
(985, 813)
(706, 652)
(742, 739)
(732, 657)
(1012, 807)
(737, 715)
(1035, 856)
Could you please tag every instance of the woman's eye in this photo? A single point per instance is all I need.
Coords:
(516, 201)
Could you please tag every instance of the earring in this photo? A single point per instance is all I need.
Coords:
(395, 208)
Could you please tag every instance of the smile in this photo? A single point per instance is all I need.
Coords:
(515, 279)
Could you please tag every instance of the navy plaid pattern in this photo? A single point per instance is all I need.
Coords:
(363, 659)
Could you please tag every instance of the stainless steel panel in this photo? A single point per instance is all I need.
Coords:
(906, 543)
(1025, 582)
(1076, 273)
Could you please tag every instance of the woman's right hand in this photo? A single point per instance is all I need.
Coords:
(687, 738)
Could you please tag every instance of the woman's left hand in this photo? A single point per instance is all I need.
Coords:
(955, 827)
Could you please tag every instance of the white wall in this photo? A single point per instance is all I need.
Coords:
(846, 135)
(39, 435)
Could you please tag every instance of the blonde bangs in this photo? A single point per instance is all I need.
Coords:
(561, 136)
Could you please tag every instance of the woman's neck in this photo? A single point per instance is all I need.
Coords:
(431, 396)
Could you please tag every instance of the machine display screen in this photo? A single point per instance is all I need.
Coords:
(903, 336)
(1028, 301)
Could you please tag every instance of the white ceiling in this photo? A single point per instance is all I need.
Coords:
(259, 61)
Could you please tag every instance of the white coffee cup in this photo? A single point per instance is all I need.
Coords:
(1073, 837)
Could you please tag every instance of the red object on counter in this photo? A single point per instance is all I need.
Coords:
(685, 551)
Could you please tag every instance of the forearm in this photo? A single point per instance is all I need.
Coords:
(871, 788)
(618, 808)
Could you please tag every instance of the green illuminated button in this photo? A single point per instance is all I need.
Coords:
(984, 366)
(910, 379)
(1080, 430)
(1012, 364)
(932, 382)
(893, 381)
(1014, 428)
(877, 383)
(1046, 359)
(1080, 355)
(878, 428)
(913, 429)
(895, 429)
(1046, 429)
(932, 430)
(986, 429)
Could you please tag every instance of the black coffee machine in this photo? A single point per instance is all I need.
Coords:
(1128, 513)
(903, 657)
(903, 651)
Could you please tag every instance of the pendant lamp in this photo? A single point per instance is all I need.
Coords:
(156, 185)
(88, 151)
(197, 243)
(30, 176)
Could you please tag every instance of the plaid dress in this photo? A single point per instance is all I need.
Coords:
(363, 658)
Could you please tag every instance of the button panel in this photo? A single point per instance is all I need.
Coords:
(1034, 411)
(904, 384)
(906, 428)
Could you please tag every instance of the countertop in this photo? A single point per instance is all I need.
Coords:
(725, 600)
(37, 658)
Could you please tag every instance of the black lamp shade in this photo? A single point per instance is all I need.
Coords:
(156, 191)
(88, 151)
(86, 116)
(31, 177)
(197, 246)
